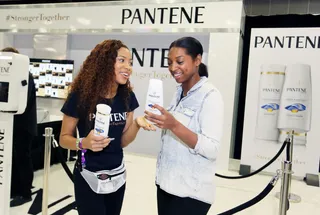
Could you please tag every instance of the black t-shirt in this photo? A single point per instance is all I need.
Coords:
(27, 121)
(111, 156)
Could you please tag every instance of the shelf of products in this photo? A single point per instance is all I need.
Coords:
(51, 77)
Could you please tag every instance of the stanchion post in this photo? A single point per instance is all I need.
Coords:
(291, 146)
(284, 193)
(46, 169)
(292, 197)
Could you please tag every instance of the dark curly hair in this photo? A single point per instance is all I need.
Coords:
(97, 76)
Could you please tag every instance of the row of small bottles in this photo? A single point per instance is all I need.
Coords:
(51, 79)
(285, 99)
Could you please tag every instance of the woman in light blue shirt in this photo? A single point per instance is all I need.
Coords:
(191, 134)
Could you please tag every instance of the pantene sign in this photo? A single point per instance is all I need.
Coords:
(166, 16)
(163, 15)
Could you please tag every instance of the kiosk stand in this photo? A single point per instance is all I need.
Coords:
(14, 73)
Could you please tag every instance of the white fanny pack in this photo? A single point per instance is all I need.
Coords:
(105, 181)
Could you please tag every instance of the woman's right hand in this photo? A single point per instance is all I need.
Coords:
(95, 143)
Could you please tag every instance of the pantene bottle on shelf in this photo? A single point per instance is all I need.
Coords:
(270, 88)
(296, 100)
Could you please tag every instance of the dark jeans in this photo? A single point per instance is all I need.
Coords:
(173, 205)
(22, 169)
(91, 203)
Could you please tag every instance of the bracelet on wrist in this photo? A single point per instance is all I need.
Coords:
(79, 143)
(83, 151)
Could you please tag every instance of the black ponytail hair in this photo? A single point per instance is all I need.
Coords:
(193, 48)
(203, 71)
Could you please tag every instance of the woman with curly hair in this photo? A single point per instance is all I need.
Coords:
(99, 173)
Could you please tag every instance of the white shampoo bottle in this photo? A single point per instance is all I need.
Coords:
(296, 99)
(154, 96)
(271, 83)
(102, 120)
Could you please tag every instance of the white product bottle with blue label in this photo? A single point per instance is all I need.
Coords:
(296, 99)
(102, 120)
(270, 88)
(154, 96)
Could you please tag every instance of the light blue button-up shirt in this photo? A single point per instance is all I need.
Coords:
(181, 170)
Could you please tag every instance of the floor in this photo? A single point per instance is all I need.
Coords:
(140, 198)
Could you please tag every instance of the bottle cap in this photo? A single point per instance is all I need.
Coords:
(103, 108)
(155, 83)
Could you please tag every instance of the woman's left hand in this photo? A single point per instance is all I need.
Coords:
(164, 121)
(142, 123)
